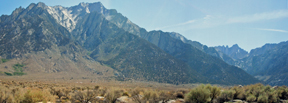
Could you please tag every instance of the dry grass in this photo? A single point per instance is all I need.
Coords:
(25, 91)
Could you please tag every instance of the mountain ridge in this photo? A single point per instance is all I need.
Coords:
(267, 63)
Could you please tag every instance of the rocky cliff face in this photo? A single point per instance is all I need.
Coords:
(234, 52)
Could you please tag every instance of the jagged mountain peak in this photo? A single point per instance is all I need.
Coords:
(235, 46)
(17, 11)
(86, 4)
(83, 4)
(89, 7)
(31, 6)
(69, 16)
(41, 4)
(234, 51)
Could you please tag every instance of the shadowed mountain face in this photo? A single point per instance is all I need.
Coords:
(90, 33)
(268, 63)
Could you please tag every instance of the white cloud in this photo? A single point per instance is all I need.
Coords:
(275, 30)
(207, 17)
(177, 25)
(259, 17)
(216, 20)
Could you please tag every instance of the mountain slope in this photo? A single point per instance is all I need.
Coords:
(207, 65)
(209, 50)
(36, 40)
(130, 55)
(69, 16)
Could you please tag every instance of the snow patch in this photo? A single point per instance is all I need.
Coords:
(87, 10)
(108, 17)
(63, 16)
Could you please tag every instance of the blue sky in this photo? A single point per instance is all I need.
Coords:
(248, 23)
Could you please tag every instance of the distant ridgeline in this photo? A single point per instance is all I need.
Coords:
(267, 63)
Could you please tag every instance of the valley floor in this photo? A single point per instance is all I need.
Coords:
(16, 89)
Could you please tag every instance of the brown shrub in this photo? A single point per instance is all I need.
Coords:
(112, 95)
(151, 96)
(35, 95)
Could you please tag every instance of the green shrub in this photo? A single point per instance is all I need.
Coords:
(214, 91)
(272, 96)
(259, 92)
(226, 95)
(262, 98)
(199, 94)
(267, 88)
(239, 93)
(18, 67)
(7, 73)
(4, 60)
(251, 98)
(18, 73)
(282, 92)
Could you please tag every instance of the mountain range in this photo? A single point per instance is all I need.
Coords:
(267, 63)
(88, 39)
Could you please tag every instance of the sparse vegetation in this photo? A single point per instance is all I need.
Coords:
(36, 95)
(7, 73)
(18, 73)
(4, 60)
(18, 67)
(31, 92)
(18, 70)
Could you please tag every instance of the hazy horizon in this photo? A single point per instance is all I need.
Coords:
(250, 24)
